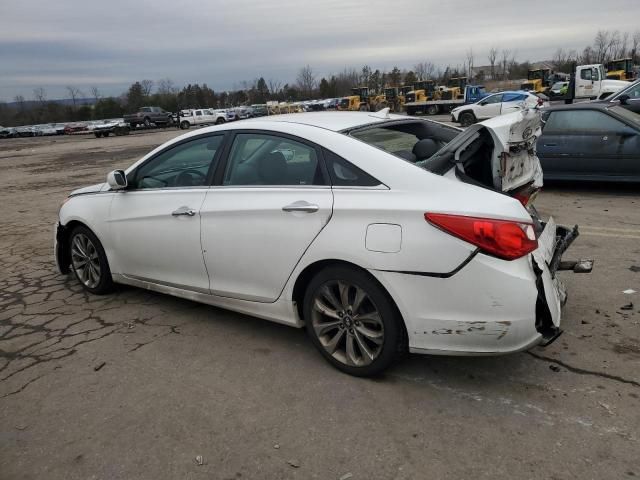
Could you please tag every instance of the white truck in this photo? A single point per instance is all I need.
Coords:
(201, 116)
(591, 83)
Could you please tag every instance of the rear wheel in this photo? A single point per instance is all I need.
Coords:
(147, 122)
(105, 134)
(219, 121)
(467, 119)
(364, 108)
(98, 134)
(89, 262)
(432, 110)
(352, 321)
(184, 125)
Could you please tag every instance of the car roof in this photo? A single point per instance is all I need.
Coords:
(581, 106)
(335, 121)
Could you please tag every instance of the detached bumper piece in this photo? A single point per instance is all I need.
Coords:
(564, 239)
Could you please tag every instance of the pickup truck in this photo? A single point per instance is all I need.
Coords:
(590, 82)
(472, 93)
(149, 115)
(201, 116)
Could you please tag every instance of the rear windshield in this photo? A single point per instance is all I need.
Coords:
(628, 115)
(414, 141)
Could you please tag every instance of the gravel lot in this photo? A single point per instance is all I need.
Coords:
(137, 385)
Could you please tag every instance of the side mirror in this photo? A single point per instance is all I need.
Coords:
(117, 180)
(624, 99)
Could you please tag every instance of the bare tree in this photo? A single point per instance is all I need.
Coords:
(95, 93)
(493, 54)
(275, 86)
(147, 86)
(505, 62)
(469, 65)
(306, 81)
(74, 94)
(166, 87)
(635, 43)
(601, 45)
(40, 95)
(424, 70)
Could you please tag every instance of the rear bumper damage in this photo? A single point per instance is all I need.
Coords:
(546, 261)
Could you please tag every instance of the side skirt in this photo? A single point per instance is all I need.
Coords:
(280, 311)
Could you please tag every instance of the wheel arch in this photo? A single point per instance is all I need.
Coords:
(63, 233)
(307, 274)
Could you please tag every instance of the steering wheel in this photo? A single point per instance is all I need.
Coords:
(185, 178)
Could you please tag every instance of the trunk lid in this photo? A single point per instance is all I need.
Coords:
(499, 153)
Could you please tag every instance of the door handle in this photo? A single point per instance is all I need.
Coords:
(183, 211)
(550, 144)
(301, 206)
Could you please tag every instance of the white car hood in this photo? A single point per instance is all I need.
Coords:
(514, 162)
(98, 187)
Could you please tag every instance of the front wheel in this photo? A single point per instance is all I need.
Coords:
(432, 110)
(184, 125)
(147, 122)
(352, 321)
(220, 121)
(89, 262)
(467, 119)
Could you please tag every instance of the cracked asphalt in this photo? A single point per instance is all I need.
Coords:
(136, 385)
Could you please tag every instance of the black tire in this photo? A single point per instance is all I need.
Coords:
(98, 134)
(433, 110)
(105, 134)
(364, 108)
(391, 326)
(147, 122)
(220, 121)
(105, 283)
(184, 125)
(467, 119)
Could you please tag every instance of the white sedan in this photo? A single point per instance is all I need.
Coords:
(494, 105)
(319, 220)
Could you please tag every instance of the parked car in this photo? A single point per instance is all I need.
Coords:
(590, 141)
(628, 97)
(149, 115)
(74, 128)
(558, 89)
(201, 116)
(116, 126)
(322, 223)
(494, 105)
(7, 132)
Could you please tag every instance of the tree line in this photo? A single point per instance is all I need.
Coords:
(499, 64)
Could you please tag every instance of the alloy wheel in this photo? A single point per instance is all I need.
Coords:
(85, 260)
(347, 323)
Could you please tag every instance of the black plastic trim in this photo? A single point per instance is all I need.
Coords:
(435, 274)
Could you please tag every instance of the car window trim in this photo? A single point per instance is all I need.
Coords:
(218, 177)
(210, 174)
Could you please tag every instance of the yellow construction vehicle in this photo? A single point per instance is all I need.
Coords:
(362, 100)
(538, 80)
(423, 91)
(621, 69)
(454, 89)
(393, 99)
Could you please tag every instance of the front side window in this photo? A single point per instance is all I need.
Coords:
(585, 74)
(185, 165)
(582, 121)
(492, 99)
(262, 159)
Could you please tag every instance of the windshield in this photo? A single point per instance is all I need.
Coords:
(632, 90)
(344, 102)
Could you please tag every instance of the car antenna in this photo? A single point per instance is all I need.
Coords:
(384, 114)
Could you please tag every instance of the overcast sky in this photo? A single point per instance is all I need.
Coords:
(110, 44)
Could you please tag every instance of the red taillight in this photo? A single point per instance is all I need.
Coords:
(523, 198)
(501, 238)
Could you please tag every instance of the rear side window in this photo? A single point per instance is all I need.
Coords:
(346, 174)
(581, 121)
(513, 97)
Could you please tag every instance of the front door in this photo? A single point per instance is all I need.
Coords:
(272, 203)
(489, 107)
(155, 222)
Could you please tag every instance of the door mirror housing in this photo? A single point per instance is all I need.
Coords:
(624, 99)
(117, 180)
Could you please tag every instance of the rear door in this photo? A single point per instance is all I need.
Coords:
(270, 201)
(512, 102)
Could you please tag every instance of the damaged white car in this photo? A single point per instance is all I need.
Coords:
(378, 233)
